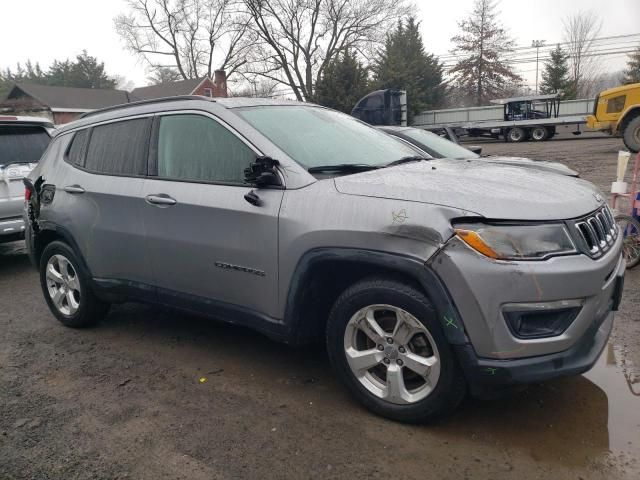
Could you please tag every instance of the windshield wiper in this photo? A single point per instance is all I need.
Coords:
(409, 159)
(342, 167)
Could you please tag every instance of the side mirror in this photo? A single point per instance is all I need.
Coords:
(262, 173)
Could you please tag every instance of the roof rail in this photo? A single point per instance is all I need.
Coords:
(145, 102)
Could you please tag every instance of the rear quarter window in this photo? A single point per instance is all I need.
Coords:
(119, 148)
(22, 143)
(75, 154)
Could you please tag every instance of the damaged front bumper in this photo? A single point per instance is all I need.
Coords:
(485, 291)
(487, 376)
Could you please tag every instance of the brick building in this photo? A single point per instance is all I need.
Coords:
(195, 86)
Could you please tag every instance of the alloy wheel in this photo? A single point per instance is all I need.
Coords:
(392, 354)
(63, 284)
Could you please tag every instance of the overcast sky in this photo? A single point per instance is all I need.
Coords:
(44, 30)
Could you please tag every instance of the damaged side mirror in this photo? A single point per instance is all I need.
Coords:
(262, 173)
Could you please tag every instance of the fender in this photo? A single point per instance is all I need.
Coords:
(631, 110)
(63, 234)
(433, 287)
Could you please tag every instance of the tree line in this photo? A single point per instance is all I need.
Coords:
(332, 52)
(84, 71)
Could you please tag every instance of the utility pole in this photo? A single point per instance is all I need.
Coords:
(537, 44)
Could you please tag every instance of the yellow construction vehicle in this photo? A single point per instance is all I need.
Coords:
(617, 111)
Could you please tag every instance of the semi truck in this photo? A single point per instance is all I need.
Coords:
(617, 111)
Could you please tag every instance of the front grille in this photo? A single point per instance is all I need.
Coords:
(597, 232)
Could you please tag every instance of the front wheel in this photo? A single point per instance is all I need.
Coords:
(630, 230)
(631, 134)
(388, 348)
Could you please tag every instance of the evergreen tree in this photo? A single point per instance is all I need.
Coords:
(343, 82)
(29, 73)
(555, 75)
(482, 72)
(403, 64)
(632, 73)
(84, 72)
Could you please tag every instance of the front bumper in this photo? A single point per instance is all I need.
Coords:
(487, 375)
(481, 288)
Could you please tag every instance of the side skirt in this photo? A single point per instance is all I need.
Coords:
(114, 290)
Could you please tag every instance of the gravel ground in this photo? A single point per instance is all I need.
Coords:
(156, 394)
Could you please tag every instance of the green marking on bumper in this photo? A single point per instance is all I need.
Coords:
(449, 322)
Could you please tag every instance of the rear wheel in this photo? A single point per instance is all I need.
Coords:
(388, 348)
(631, 134)
(66, 287)
(539, 134)
(630, 229)
(516, 135)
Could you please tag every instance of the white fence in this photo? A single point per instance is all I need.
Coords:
(494, 112)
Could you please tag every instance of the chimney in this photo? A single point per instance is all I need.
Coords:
(220, 84)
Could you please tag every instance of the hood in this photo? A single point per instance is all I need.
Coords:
(554, 167)
(491, 190)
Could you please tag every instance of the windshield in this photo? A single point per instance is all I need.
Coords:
(316, 136)
(438, 146)
(22, 144)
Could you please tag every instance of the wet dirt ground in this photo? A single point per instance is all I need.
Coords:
(156, 394)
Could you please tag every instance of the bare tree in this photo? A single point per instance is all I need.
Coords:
(297, 39)
(580, 32)
(483, 71)
(258, 87)
(194, 37)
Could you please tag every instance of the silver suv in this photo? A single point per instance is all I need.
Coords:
(426, 278)
(22, 142)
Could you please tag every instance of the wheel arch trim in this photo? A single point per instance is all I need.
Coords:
(414, 268)
(64, 235)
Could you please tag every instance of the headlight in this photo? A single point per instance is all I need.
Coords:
(516, 242)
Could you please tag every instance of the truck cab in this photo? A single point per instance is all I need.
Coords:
(617, 112)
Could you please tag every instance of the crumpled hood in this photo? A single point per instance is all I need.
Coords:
(554, 167)
(491, 190)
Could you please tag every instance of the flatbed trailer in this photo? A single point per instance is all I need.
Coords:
(534, 117)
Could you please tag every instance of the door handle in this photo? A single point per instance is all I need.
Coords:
(73, 189)
(160, 199)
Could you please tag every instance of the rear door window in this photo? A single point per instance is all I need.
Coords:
(119, 148)
(22, 143)
(197, 148)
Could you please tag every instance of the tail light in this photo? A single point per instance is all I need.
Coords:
(28, 188)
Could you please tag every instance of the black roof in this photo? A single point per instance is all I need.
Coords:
(72, 97)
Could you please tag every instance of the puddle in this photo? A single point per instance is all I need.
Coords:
(622, 386)
(574, 421)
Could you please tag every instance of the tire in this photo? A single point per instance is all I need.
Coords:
(516, 135)
(386, 300)
(630, 228)
(539, 134)
(631, 134)
(62, 277)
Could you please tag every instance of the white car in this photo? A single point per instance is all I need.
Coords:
(22, 142)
